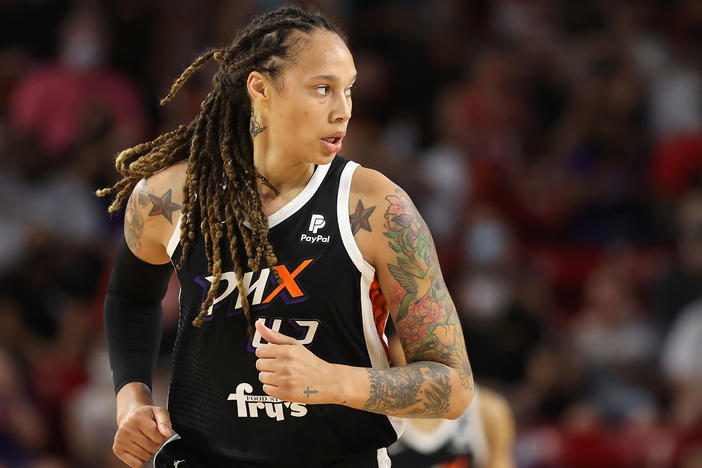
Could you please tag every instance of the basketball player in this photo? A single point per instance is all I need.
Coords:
(278, 243)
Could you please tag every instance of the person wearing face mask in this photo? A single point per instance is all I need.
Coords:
(55, 99)
(279, 244)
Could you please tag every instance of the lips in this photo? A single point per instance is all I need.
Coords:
(332, 144)
(334, 141)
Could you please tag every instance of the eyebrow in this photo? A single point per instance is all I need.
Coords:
(331, 77)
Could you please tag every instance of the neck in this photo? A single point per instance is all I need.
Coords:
(285, 174)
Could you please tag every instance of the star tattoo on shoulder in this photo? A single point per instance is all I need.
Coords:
(360, 218)
(163, 206)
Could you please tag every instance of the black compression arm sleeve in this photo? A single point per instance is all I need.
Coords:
(132, 316)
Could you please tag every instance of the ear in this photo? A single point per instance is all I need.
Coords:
(258, 86)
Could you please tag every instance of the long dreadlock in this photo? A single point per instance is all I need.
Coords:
(221, 180)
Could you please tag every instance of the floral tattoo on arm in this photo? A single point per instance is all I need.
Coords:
(425, 319)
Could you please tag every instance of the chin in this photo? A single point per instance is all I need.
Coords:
(324, 158)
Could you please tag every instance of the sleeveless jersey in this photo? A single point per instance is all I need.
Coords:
(458, 443)
(322, 298)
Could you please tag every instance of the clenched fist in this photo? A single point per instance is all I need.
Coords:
(141, 431)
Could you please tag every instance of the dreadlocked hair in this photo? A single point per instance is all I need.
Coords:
(221, 180)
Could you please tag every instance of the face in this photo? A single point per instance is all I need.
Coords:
(308, 109)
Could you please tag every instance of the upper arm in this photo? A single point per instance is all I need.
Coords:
(151, 217)
(397, 241)
(499, 426)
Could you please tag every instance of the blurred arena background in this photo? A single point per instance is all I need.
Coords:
(554, 148)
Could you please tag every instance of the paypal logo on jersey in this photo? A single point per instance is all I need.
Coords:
(317, 222)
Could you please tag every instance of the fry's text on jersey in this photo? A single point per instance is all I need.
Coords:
(248, 406)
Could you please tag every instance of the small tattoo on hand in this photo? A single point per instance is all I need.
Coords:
(308, 392)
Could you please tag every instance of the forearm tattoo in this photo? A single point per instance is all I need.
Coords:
(425, 319)
(401, 388)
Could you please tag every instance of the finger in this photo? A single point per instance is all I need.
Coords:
(138, 451)
(130, 459)
(163, 419)
(266, 365)
(150, 430)
(272, 390)
(267, 378)
(272, 336)
(134, 436)
(267, 351)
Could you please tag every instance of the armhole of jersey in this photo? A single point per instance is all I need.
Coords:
(342, 215)
(175, 238)
(374, 343)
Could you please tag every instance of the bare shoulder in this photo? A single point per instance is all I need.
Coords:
(370, 183)
(152, 213)
(172, 177)
(372, 195)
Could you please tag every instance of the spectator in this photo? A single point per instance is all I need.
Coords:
(681, 364)
(52, 100)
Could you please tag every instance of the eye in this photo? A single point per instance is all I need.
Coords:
(323, 90)
(347, 91)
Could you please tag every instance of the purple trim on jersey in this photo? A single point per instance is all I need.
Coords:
(297, 327)
(205, 287)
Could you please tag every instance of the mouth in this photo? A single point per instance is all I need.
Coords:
(333, 144)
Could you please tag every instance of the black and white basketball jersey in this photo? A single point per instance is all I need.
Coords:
(459, 443)
(323, 298)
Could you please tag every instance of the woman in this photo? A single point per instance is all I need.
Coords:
(256, 177)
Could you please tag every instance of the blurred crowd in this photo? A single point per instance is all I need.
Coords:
(554, 148)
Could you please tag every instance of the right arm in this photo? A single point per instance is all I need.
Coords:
(132, 313)
(152, 211)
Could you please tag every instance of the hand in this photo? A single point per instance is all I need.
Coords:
(291, 372)
(141, 433)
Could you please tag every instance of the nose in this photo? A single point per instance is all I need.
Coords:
(342, 108)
